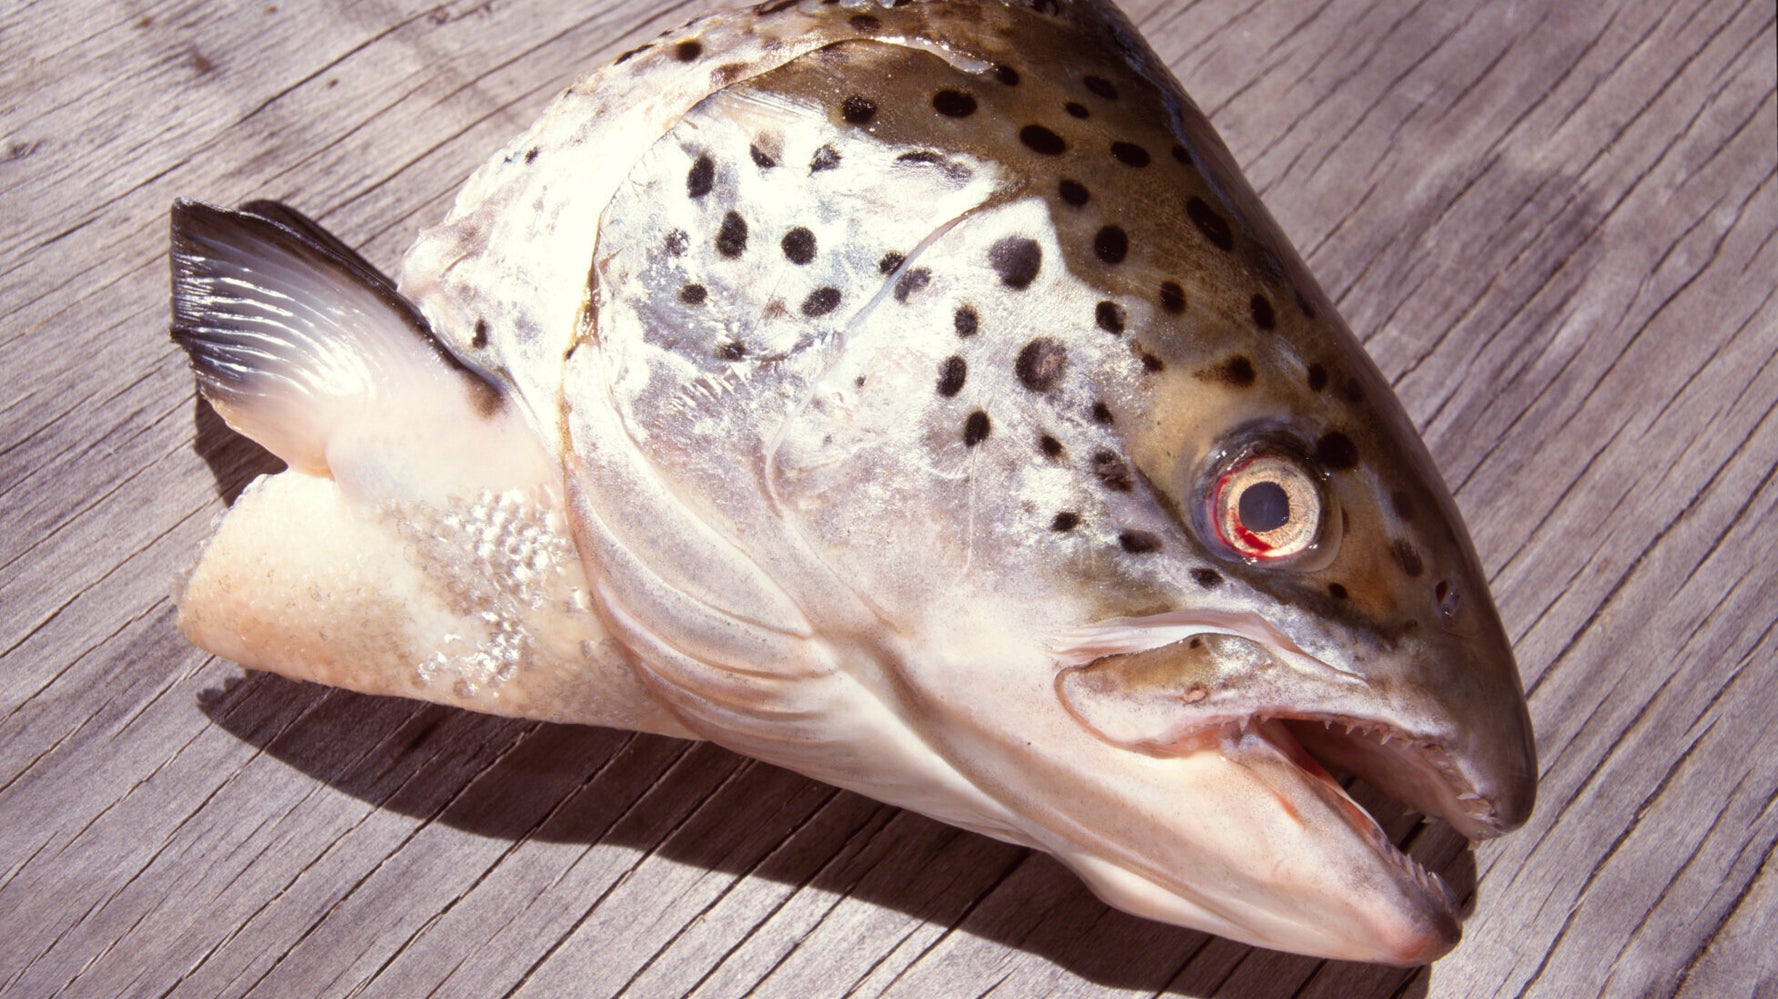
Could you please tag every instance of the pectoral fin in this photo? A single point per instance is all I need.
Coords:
(419, 543)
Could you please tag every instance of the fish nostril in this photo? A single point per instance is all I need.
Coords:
(1448, 603)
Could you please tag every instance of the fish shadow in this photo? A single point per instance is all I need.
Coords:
(234, 459)
(699, 805)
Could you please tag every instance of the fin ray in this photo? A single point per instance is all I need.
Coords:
(291, 333)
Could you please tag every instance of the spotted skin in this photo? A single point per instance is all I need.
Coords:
(1091, 232)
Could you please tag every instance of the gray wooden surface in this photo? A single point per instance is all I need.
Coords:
(1554, 223)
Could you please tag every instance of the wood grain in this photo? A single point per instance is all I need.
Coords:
(1556, 224)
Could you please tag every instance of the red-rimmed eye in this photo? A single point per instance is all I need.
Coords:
(1266, 507)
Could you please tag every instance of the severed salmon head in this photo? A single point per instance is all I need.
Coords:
(913, 395)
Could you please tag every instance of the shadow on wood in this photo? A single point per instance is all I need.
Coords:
(234, 460)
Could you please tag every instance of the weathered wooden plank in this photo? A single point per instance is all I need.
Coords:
(1556, 226)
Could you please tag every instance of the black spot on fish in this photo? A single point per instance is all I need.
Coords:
(1261, 308)
(890, 261)
(825, 158)
(1074, 192)
(1408, 557)
(693, 294)
(858, 110)
(976, 428)
(531, 155)
(702, 176)
(1172, 297)
(688, 50)
(1017, 260)
(1111, 244)
(1214, 227)
(1130, 154)
(798, 245)
(1180, 154)
(1303, 304)
(1139, 542)
(1352, 391)
(953, 103)
(1317, 377)
(1404, 507)
(761, 158)
(480, 337)
(1041, 140)
(1112, 471)
(1040, 364)
(911, 281)
(1336, 591)
(1007, 75)
(1102, 414)
(731, 239)
(1101, 86)
(821, 301)
(865, 22)
(1152, 363)
(1335, 451)
(677, 242)
(1209, 579)
(1237, 371)
(1067, 520)
(733, 350)
(1076, 110)
(1050, 447)
(951, 375)
(1109, 316)
(965, 321)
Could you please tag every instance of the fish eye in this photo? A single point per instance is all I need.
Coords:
(1266, 507)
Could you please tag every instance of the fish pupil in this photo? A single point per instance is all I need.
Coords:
(1264, 506)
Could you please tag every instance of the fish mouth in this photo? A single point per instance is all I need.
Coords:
(1235, 689)
(1172, 685)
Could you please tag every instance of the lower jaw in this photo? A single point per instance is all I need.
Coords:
(1436, 894)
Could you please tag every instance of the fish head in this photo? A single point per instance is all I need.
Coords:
(945, 418)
